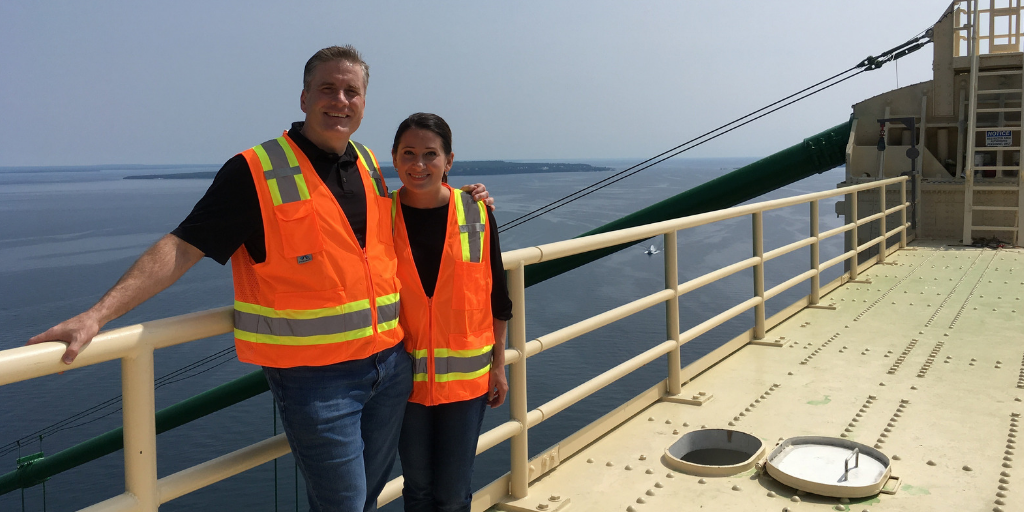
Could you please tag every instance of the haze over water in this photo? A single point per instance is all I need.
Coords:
(70, 232)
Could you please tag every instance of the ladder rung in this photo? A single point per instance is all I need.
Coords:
(985, 128)
(992, 110)
(1000, 73)
(995, 167)
(996, 208)
(995, 187)
(992, 228)
(997, 148)
(999, 91)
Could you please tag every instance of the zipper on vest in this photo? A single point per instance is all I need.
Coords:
(373, 297)
(431, 363)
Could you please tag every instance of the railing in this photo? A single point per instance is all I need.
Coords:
(135, 345)
(997, 22)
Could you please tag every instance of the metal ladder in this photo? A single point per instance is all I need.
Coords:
(995, 99)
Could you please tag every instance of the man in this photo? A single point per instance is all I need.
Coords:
(306, 221)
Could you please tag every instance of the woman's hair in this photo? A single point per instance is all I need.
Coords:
(429, 122)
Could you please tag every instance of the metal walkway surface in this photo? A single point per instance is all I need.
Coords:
(922, 358)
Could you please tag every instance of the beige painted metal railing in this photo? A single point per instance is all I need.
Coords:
(997, 21)
(134, 345)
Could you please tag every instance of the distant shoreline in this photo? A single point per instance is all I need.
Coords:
(468, 168)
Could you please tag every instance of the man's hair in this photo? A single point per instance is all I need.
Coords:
(345, 53)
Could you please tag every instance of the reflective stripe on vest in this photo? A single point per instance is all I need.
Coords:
(451, 365)
(471, 216)
(387, 312)
(281, 170)
(259, 324)
(366, 157)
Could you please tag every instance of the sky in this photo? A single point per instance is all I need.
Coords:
(189, 82)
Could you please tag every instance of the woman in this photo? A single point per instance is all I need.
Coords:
(454, 309)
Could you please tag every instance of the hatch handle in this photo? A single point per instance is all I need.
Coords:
(856, 462)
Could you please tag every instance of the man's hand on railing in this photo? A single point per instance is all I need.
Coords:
(159, 267)
(76, 332)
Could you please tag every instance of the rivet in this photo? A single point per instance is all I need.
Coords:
(649, 471)
(736, 488)
(1000, 502)
(896, 457)
(771, 494)
(590, 461)
(668, 422)
(844, 500)
(670, 475)
(1003, 480)
(675, 432)
(930, 462)
(542, 506)
(555, 497)
(968, 468)
(609, 464)
(652, 417)
(913, 387)
(628, 467)
(641, 501)
(795, 499)
(686, 424)
(650, 492)
(702, 481)
(1003, 487)
(659, 485)
(1007, 465)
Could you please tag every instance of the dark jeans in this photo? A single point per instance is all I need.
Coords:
(342, 423)
(437, 449)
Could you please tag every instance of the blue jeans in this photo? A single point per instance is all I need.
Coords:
(342, 422)
(437, 449)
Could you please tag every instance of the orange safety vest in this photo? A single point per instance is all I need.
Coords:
(318, 298)
(450, 335)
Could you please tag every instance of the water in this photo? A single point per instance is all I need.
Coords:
(69, 233)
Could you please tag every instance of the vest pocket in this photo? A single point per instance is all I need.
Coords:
(472, 286)
(299, 228)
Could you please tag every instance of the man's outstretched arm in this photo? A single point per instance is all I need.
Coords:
(159, 267)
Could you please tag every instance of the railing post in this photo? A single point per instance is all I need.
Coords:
(882, 245)
(520, 483)
(815, 256)
(758, 232)
(853, 235)
(903, 214)
(140, 429)
(672, 311)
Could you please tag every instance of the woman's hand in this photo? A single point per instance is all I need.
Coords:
(497, 386)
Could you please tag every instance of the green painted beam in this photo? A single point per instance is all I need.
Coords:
(814, 155)
(205, 403)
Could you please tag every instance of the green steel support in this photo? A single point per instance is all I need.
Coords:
(814, 155)
(207, 402)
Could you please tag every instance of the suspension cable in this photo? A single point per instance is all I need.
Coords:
(868, 64)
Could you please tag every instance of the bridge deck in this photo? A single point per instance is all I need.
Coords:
(957, 317)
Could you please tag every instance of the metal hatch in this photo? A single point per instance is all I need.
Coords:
(829, 466)
(714, 452)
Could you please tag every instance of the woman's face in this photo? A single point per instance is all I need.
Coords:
(421, 161)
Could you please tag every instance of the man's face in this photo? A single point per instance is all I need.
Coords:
(333, 104)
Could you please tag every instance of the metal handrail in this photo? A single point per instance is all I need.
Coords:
(975, 28)
(134, 345)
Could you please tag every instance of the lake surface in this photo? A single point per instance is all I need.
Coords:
(70, 232)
